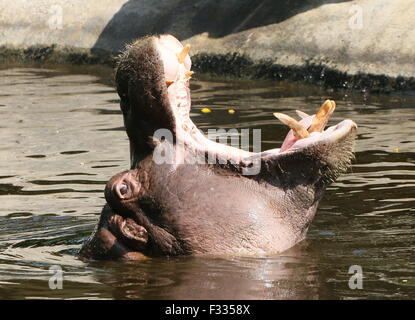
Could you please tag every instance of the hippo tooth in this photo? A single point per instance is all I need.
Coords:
(322, 116)
(301, 114)
(188, 74)
(182, 54)
(299, 131)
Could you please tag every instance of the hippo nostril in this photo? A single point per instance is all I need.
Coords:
(123, 189)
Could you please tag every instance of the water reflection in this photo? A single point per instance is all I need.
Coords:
(293, 275)
(62, 138)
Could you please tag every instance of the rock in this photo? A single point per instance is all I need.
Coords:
(359, 43)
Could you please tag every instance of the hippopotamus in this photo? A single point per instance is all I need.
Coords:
(186, 194)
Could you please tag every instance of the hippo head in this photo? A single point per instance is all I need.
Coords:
(186, 194)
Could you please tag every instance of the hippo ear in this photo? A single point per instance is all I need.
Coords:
(142, 88)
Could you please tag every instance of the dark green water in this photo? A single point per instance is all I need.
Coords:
(62, 139)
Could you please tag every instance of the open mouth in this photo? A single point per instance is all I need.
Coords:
(309, 131)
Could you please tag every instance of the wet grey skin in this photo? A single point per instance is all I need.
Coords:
(180, 208)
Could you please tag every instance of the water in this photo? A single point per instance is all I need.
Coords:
(62, 138)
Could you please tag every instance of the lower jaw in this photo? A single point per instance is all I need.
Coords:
(332, 134)
(198, 149)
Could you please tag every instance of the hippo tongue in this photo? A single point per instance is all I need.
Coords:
(298, 131)
(308, 124)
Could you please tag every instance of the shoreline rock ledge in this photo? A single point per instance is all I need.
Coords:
(348, 44)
